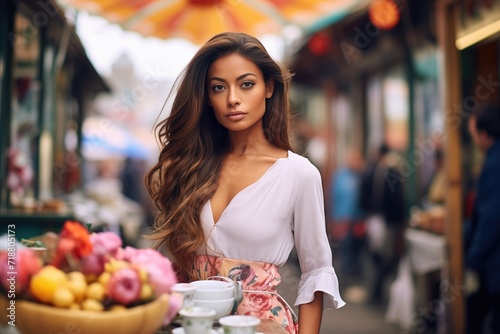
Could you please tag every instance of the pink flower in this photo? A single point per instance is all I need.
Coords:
(124, 286)
(92, 264)
(174, 305)
(20, 172)
(256, 304)
(161, 274)
(106, 243)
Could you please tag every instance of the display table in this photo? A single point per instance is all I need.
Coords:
(427, 255)
(426, 250)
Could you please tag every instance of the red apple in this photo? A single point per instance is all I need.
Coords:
(18, 269)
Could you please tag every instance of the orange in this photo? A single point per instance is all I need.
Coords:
(43, 287)
(44, 283)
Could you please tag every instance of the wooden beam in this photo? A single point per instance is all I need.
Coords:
(451, 96)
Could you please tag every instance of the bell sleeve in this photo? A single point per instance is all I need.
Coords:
(311, 241)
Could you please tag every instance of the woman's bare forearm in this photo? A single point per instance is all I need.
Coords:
(310, 315)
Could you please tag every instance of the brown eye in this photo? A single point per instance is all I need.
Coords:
(247, 84)
(217, 88)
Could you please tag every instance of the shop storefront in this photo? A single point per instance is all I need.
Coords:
(381, 79)
(46, 84)
(387, 70)
(469, 50)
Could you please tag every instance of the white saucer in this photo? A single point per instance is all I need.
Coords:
(180, 330)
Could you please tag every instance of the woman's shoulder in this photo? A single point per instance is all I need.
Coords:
(302, 166)
(300, 160)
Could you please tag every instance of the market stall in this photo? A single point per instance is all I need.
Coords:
(47, 82)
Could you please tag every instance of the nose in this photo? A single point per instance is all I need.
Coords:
(233, 100)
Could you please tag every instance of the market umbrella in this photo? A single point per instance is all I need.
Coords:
(198, 20)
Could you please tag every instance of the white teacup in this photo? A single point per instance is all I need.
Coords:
(239, 324)
(187, 291)
(222, 307)
(213, 290)
(197, 320)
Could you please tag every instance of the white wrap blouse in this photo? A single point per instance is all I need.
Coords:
(264, 221)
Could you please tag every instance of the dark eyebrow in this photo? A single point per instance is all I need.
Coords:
(237, 79)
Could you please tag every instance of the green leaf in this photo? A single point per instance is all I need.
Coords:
(275, 310)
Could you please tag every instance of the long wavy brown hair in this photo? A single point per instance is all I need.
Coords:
(194, 145)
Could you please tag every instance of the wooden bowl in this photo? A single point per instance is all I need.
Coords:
(31, 318)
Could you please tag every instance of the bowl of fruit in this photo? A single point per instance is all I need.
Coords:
(32, 317)
(90, 284)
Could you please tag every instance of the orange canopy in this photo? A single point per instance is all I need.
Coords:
(198, 20)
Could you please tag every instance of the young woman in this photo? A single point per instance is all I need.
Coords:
(233, 197)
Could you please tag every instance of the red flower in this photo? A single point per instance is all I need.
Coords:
(74, 239)
(256, 304)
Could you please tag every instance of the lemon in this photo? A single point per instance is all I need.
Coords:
(62, 297)
(146, 292)
(78, 288)
(104, 278)
(143, 275)
(96, 291)
(92, 305)
(115, 265)
(117, 308)
(76, 276)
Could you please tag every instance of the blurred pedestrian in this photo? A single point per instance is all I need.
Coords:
(482, 246)
(382, 200)
(234, 199)
(133, 187)
(131, 176)
(346, 225)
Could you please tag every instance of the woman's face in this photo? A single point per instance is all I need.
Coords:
(237, 92)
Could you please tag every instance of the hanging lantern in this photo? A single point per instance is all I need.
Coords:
(384, 14)
(319, 44)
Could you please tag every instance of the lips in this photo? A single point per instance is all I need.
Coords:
(236, 115)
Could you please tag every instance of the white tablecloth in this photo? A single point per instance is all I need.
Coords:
(426, 250)
(409, 293)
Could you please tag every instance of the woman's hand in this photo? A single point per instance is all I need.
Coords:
(270, 326)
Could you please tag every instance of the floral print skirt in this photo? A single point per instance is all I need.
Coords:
(259, 281)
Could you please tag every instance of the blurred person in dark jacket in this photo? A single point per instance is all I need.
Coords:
(381, 198)
(131, 177)
(482, 245)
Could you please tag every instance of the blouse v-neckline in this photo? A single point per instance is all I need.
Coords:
(244, 189)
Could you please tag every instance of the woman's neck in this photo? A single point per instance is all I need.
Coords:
(250, 141)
